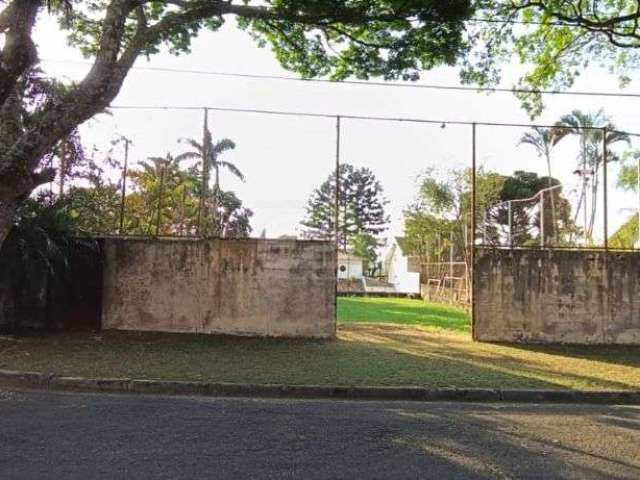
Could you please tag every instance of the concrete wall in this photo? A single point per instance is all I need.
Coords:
(236, 287)
(557, 296)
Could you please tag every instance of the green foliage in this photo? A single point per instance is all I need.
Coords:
(560, 40)
(627, 235)
(365, 246)
(38, 250)
(441, 213)
(387, 38)
(628, 177)
(525, 216)
(361, 207)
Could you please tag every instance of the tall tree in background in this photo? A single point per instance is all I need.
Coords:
(440, 216)
(361, 207)
(209, 153)
(554, 39)
(588, 128)
(526, 217)
(339, 39)
(543, 140)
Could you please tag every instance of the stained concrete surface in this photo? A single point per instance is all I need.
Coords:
(281, 288)
(557, 296)
(80, 436)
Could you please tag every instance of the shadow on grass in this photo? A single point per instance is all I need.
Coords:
(364, 354)
(628, 355)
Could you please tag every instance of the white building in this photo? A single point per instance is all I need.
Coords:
(350, 266)
(403, 270)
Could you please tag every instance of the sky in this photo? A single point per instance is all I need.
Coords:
(285, 158)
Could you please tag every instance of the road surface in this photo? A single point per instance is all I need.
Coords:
(87, 436)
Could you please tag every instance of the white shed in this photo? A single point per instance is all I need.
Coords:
(350, 266)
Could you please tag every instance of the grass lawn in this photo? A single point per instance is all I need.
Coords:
(428, 345)
(402, 311)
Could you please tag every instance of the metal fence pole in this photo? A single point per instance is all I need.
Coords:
(337, 196)
(605, 157)
(637, 245)
(472, 255)
(542, 219)
(510, 224)
(123, 190)
(205, 176)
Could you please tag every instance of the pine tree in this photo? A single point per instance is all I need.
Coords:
(361, 207)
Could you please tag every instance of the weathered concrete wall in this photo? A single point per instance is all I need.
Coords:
(557, 296)
(236, 287)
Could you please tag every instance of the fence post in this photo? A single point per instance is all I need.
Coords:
(472, 254)
(637, 245)
(205, 176)
(337, 196)
(123, 190)
(510, 224)
(605, 159)
(542, 219)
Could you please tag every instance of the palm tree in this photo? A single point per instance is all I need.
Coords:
(590, 128)
(543, 140)
(209, 154)
(159, 175)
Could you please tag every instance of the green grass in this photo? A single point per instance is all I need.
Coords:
(402, 311)
(363, 354)
(380, 342)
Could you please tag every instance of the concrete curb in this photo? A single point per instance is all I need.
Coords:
(49, 381)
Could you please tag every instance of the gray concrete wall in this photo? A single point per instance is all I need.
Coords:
(238, 287)
(568, 296)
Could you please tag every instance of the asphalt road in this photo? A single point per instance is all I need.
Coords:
(69, 436)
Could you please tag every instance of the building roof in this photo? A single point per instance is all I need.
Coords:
(348, 256)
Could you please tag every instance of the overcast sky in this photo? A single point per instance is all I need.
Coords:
(285, 158)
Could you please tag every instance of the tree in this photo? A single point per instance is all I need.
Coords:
(440, 217)
(360, 207)
(365, 246)
(209, 154)
(555, 39)
(526, 217)
(543, 140)
(589, 127)
(233, 220)
(158, 181)
(333, 38)
(38, 251)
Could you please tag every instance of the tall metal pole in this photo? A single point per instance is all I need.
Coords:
(205, 175)
(542, 219)
(510, 224)
(123, 190)
(337, 220)
(605, 159)
(472, 255)
(638, 179)
(337, 196)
